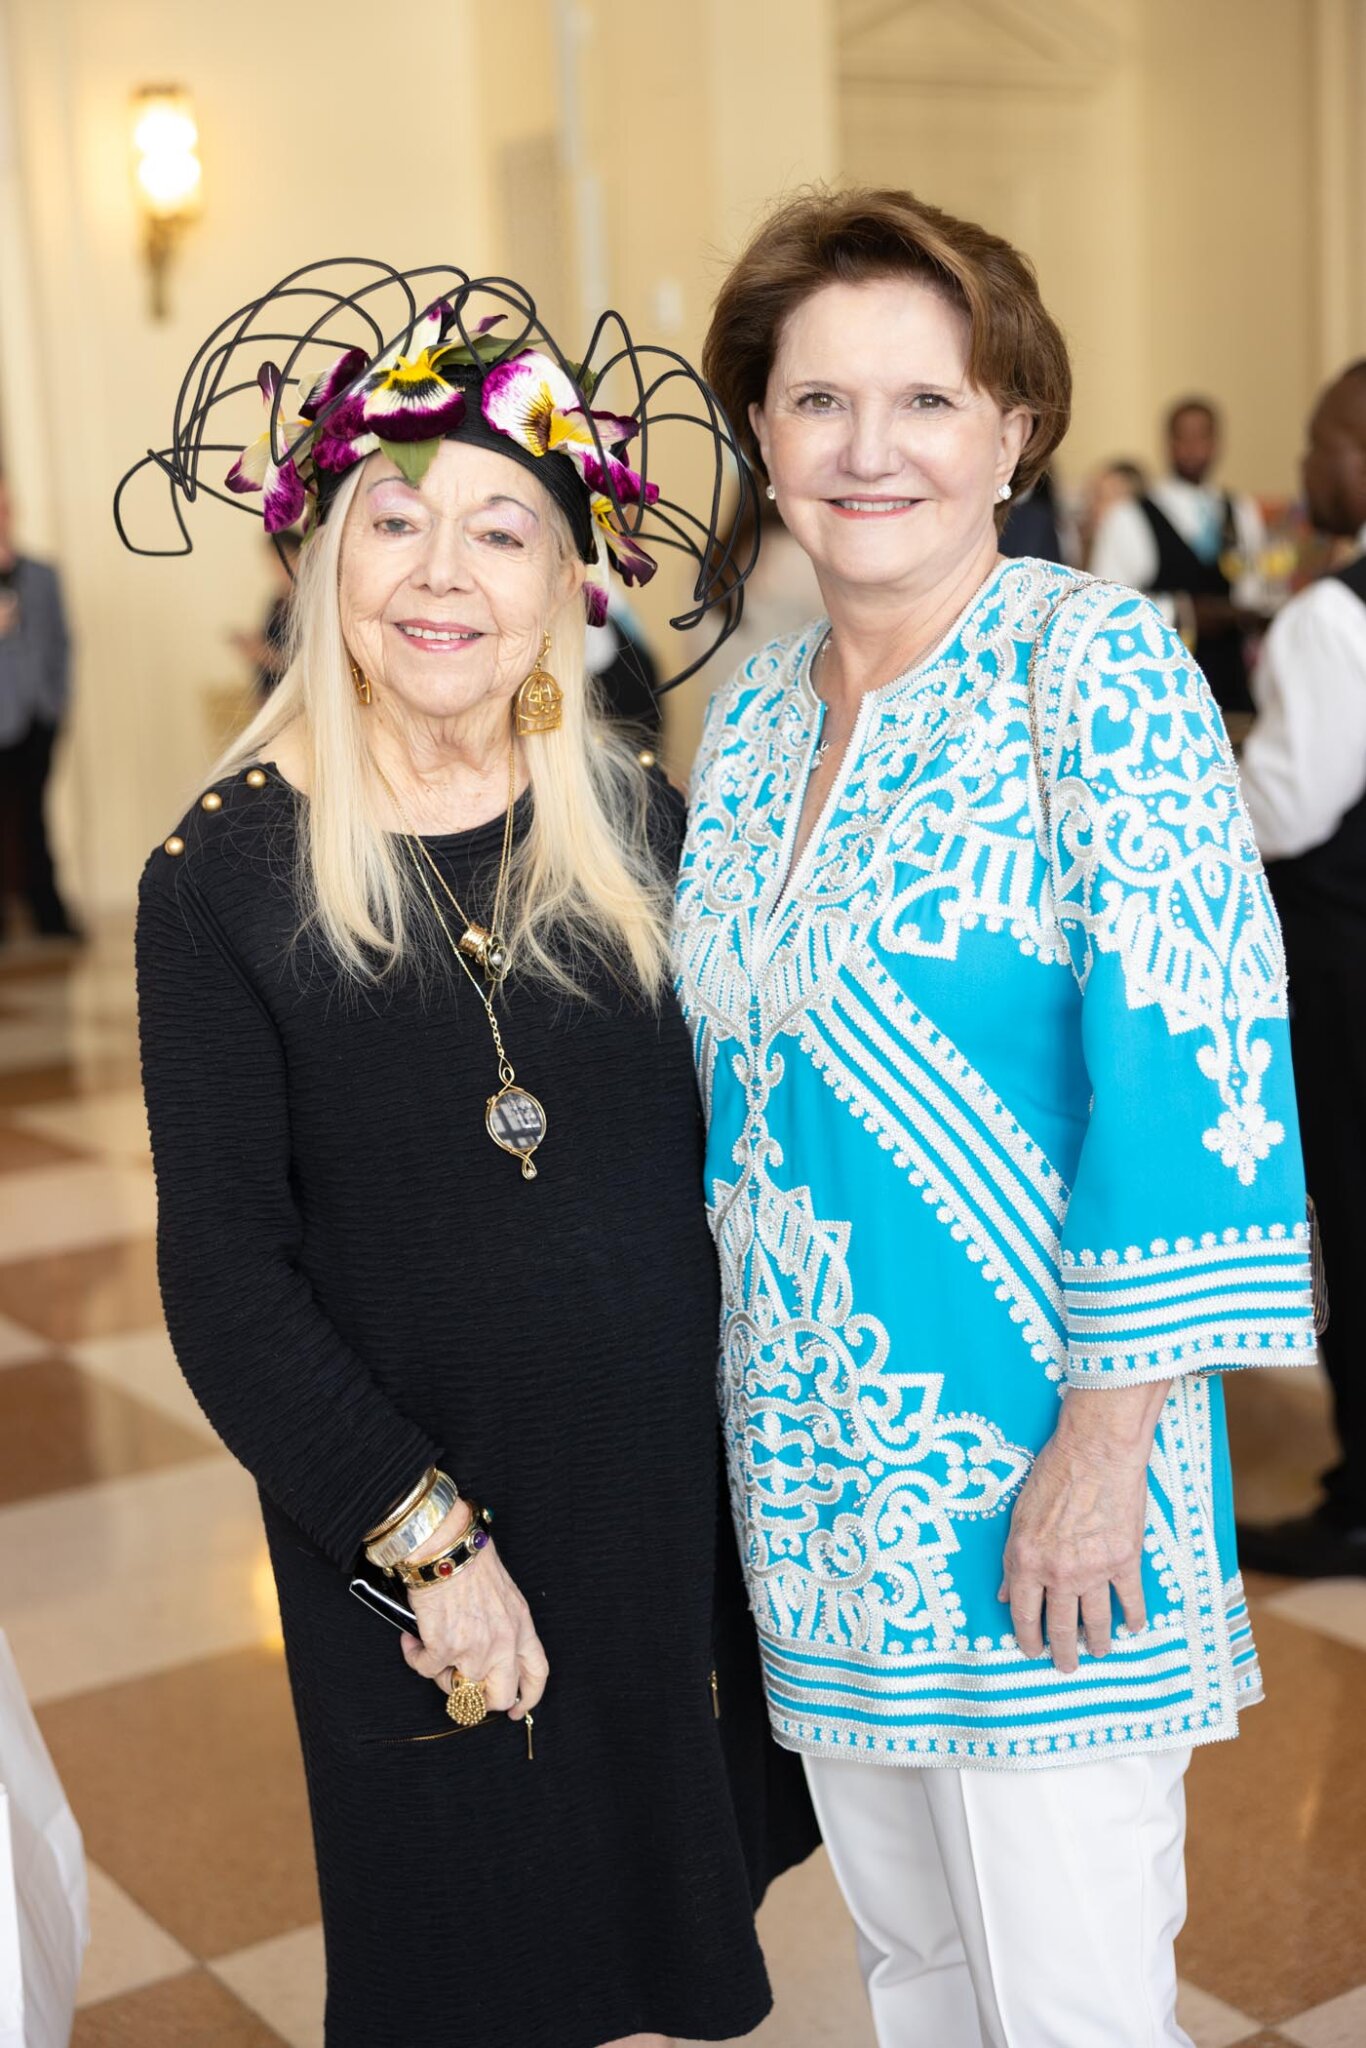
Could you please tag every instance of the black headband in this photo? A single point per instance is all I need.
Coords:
(556, 472)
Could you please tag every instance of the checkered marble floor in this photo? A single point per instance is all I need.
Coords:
(160, 1686)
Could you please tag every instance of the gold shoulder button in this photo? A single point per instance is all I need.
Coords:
(211, 801)
(174, 845)
(256, 778)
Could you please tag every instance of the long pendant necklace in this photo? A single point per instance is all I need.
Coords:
(818, 758)
(513, 1117)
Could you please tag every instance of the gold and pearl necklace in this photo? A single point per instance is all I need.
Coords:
(513, 1117)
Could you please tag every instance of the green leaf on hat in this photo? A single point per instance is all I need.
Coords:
(412, 459)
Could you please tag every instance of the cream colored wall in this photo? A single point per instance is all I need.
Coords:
(1231, 299)
(696, 119)
(1339, 148)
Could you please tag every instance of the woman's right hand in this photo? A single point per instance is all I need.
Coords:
(477, 1624)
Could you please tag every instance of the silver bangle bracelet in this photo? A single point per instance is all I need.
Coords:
(424, 1521)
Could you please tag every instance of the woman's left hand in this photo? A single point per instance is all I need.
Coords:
(1077, 1527)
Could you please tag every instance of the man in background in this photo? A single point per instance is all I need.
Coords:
(1304, 777)
(34, 691)
(1195, 550)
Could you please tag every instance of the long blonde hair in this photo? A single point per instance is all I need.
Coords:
(585, 884)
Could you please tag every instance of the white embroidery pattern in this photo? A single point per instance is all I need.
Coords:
(1232, 1298)
(846, 1476)
(936, 835)
(956, 1142)
(1157, 864)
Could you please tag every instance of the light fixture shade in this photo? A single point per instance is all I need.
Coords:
(166, 138)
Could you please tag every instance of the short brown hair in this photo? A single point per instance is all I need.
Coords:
(1016, 350)
(1185, 405)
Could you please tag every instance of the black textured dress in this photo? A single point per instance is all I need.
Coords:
(358, 1283)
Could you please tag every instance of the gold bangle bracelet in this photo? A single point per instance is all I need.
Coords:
(421, 1522)
(412, 1499)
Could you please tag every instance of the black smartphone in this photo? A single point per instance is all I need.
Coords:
(398, 1612)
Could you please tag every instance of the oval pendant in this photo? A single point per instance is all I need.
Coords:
(516, 1121)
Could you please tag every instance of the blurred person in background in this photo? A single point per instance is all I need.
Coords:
(410, 1293)
(267, 649)
(949, 1031)
(626, 675)
(1035, 524)
(1304, 779)
(35, 690)
(1195, 550)
(1113, 483)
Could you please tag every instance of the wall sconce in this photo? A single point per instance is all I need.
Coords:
(169, 175)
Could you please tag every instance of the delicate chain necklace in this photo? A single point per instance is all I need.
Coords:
(486, 945)
(513, 1117)
(818, 758)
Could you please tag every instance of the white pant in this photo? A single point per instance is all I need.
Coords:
(1013, 1909)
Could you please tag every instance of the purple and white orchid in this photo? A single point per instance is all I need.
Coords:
(632, 563)
(533, 402)
(256, 468)
(340, 441)
(406, 397)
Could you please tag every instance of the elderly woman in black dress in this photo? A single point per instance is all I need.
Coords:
(432, 1243)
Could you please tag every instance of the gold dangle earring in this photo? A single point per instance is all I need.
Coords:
(360, 682)
(539, 704)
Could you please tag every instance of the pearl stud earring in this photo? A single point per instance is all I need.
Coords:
(770, 493)
(1003, 493)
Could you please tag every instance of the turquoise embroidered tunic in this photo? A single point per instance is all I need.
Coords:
(1000, 1102)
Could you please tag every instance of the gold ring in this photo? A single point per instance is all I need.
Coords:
(467, 1703)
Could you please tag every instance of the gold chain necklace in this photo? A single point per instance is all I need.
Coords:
(486, 945)
(513, 1117)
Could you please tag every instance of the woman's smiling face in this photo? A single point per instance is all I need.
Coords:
(886, 460)
(446, 587)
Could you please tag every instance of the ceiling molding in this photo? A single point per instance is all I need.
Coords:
(967, 83)
(1064, 44)
(1066, 32)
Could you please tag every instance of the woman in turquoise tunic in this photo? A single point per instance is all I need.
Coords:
(988, 1006)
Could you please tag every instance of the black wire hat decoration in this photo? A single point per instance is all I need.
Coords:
(419, 356)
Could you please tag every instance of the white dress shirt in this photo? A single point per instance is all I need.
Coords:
(1304, 765)
(1125, 549)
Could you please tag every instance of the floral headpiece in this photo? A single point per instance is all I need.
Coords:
(449, 374)
(407, 403)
